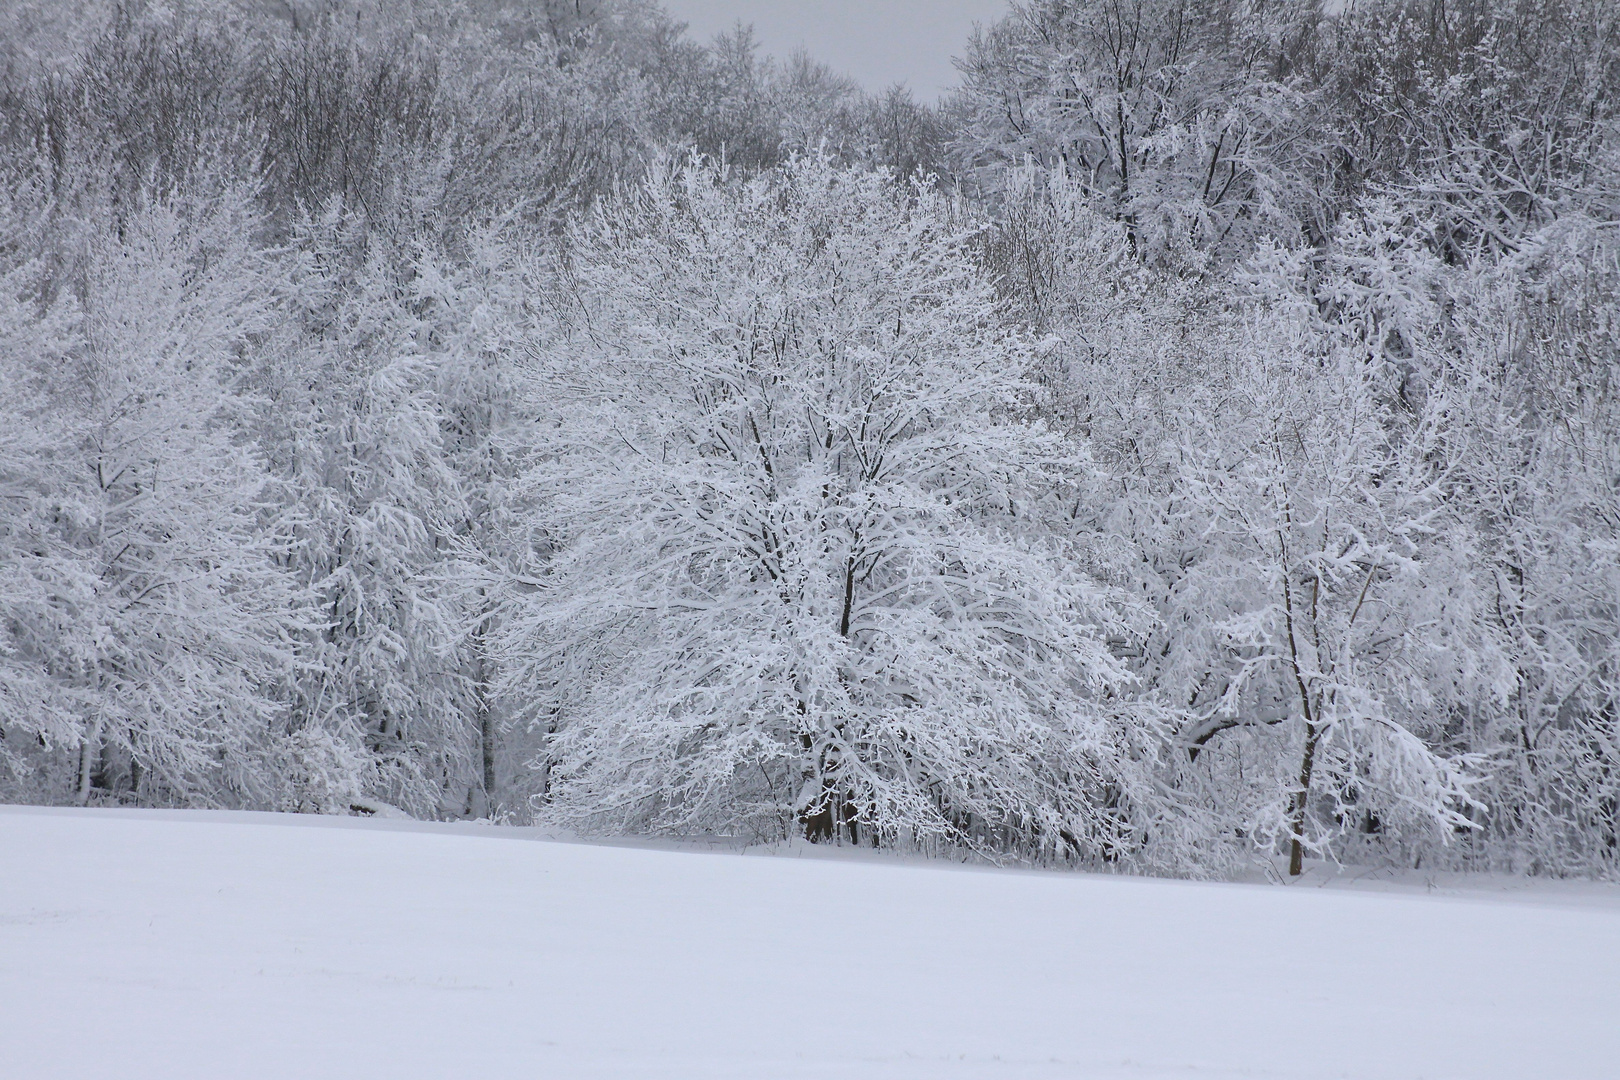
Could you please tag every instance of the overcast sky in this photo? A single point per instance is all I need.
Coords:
(879, 42)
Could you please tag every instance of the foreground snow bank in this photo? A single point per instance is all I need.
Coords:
(239, 946)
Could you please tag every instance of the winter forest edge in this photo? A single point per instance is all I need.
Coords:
(1197, 438)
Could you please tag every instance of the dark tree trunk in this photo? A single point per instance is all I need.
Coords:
(1296, 823)
(833, 819)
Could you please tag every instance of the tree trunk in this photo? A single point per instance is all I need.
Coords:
(486, 735)
(829, 814)
(486, 716)
(834, 821)
(89, 753)
(1302, 797)
(1296, 823)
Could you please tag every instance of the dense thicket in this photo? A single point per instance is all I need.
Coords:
(1197, 439)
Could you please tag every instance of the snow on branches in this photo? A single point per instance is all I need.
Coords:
(813, 567)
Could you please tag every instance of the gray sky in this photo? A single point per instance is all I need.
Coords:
(879, 42)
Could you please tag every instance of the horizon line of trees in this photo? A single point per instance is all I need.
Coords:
(1194, 440)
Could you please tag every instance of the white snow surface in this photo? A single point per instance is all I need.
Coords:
(238, 946)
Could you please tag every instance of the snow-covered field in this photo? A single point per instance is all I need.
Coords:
(191, 946)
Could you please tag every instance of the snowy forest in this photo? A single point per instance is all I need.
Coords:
(1195, 439)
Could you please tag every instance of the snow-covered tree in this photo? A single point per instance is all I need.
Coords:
(811, 562)
(146, 630)
(1327, 626)
(1531, 389)
(478, 306)
(1171, 113)
(351, 425)
(1276, 463)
